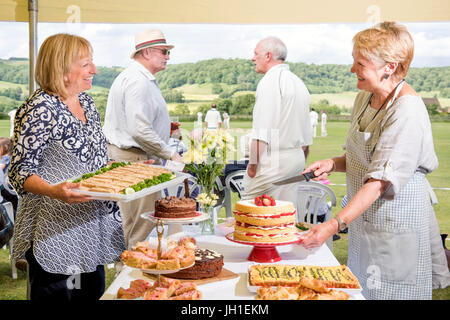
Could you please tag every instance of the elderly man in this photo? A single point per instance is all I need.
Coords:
(281, 130)
(137, 123)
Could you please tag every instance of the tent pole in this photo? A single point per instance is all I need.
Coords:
(32, 32)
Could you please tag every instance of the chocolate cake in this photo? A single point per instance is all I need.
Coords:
(173, 207)
(208, 264)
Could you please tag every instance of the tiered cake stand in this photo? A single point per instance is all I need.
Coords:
(160, 232)
(263, 252)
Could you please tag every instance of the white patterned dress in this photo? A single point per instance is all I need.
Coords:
(389, 244)
(51, 142)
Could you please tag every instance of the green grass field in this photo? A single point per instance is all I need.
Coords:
(322, 148)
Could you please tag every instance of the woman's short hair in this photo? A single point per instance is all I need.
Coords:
(55, 58)
(385, 43)
(276, 47)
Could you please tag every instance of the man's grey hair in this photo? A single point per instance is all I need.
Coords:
(275, 46)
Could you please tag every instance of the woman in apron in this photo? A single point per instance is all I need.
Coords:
(389, 151)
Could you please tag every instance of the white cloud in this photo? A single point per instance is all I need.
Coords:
(309, 43)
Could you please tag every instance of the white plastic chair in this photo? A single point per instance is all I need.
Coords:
(236, 180)
(220, 187)
(314, 198)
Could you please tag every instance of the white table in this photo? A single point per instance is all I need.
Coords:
(235, 259)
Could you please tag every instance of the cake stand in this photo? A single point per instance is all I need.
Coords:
(263, 252)
(173, 222)
(160, 232)
(160, 222)
(200, 216)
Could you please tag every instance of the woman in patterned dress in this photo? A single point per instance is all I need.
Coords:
(389, 151)
(66, 237)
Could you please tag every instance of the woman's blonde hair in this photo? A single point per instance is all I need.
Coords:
(55, 59)
(385, 43)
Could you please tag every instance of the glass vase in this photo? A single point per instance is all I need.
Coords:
(208, 225)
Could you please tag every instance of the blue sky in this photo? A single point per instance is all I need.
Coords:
(308, 43)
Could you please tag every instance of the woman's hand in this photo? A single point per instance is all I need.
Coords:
(321, 168)
(63, 192)
(318, 234)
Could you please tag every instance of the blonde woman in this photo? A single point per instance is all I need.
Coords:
(66, 238)
(389, 152)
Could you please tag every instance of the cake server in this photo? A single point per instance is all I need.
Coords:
(303, 177)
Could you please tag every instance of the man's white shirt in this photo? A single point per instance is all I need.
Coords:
(213, 118)
(136, 113)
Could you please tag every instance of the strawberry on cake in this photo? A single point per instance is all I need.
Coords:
(264, 220)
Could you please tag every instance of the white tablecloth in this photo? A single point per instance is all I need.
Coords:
(235, 259)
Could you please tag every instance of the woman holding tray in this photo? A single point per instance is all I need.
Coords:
(66, 237)
(389, 152)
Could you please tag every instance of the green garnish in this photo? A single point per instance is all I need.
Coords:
(301, 227)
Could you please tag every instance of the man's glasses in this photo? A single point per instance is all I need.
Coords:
(164, 51)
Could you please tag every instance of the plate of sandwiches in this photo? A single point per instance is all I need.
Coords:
(125, 181)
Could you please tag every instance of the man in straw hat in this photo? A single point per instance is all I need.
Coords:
(137, 123)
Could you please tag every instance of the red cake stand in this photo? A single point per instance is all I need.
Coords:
(263, 252)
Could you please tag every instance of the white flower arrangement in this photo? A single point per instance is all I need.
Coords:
(207, 156)
(207, 200)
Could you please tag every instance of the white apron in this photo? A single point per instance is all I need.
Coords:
(288, 163)
(389, 244)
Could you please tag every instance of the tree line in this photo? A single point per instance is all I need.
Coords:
(227, 77)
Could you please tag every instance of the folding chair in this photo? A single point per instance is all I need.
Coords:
(234, 182)
(314, 199)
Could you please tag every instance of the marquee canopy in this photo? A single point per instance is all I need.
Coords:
(228, 11)
(216, 11)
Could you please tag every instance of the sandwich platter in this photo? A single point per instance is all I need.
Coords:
(176, 179)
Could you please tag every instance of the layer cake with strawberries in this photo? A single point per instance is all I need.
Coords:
(264, 219)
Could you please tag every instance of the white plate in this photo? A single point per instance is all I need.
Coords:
(200, 217)
(179, 178)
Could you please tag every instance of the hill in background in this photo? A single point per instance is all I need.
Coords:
(191, 87)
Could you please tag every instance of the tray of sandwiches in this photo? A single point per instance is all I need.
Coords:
(338, 278)
(126, 181)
